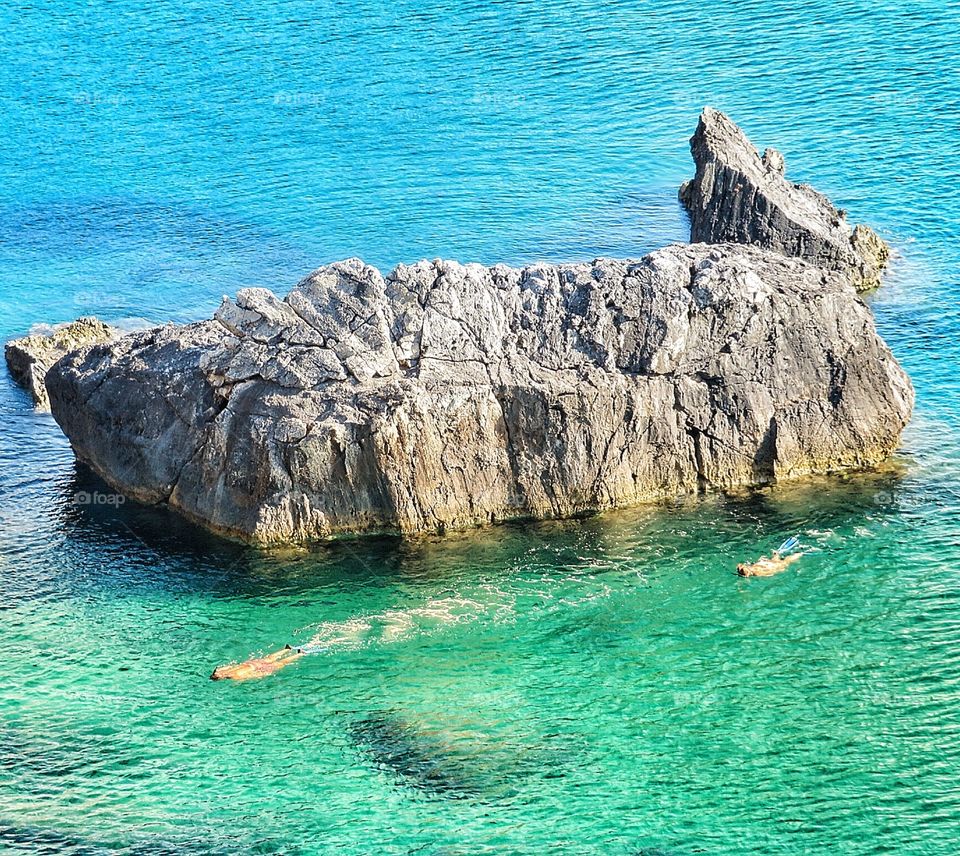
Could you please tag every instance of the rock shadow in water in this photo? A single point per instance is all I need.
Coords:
(453, 763)
(421, 759)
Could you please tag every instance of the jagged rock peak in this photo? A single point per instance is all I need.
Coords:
(737, 195)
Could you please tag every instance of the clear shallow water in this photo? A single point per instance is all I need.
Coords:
(610, 686)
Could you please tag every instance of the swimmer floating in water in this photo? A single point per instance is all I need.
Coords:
(391, 625)
(258, 667)
(767, 567)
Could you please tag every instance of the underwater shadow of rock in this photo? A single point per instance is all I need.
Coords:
(19, 754)
(27, 839)
(419, 759)
(437, 762)
(152, 547)
(823, 501)
(62, 760)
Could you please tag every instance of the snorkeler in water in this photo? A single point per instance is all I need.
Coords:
(391, 625)
(768, 566)
(258, 667)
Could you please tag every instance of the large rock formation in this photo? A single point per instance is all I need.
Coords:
(30, 358)
(446, 395)
(739, 196)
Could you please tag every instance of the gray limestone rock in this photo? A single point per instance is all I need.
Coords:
(739, 196)
(445, 395)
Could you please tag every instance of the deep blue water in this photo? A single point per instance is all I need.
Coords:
(614, 690)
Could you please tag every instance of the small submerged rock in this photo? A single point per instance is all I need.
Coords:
(423, 760)
(30, 358)
(739, 196)
(449, 759)
(50, 840)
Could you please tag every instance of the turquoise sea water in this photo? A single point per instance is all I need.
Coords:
(603, 686)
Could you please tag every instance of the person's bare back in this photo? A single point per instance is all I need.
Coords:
(767, 567)
(257, 667)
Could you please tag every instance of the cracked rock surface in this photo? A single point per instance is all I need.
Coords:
(445, 395)
(739, 196)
